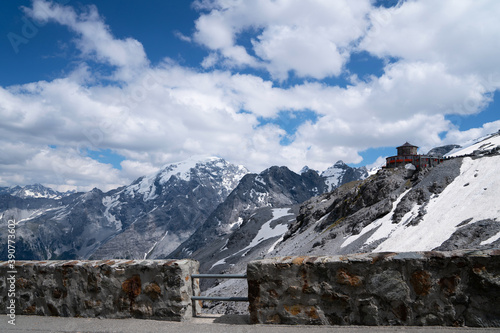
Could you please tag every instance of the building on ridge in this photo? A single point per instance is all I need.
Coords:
(407, 154)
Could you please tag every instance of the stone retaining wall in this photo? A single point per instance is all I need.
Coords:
(154, 289)
(422, 288)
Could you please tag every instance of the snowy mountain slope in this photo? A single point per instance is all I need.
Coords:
(150, 217)
(174, 202)
(403, 210)
(478, 146)
(472, 197)
(255, 237)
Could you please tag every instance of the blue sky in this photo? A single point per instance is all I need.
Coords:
(99, 93)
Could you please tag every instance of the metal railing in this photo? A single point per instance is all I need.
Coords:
(219, 298)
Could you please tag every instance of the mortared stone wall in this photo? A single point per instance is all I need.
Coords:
(459, 288)
(152, 289)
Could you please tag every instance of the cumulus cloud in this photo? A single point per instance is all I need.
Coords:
(153, 115)
(309, 38)
(453, 136)
(62, 169)
(462, 35)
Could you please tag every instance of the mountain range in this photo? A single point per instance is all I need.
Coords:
(34, 191)
(156, 216)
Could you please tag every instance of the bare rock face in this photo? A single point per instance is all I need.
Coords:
(426, 184)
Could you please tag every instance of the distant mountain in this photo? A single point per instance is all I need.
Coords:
(442, 150)
(256, 215)
(179, 210)
(150, 217)
(177, 201)
(340, 174)
(33, 191)
(276, 187)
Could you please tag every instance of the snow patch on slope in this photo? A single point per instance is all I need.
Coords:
(220, 262)
(266, 231)
(492, 239)
(145, 187)
(111, 202)
(154, 245)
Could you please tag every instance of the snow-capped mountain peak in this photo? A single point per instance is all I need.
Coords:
(202, 169)
(340, 164)
(182, 169)
(304, 169)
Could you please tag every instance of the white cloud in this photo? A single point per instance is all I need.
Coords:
(62, 169)
(454, 135)
(136, 169)
(287, 48)
(310, 38)
(461, 34)
(213, 32)
(182, 37)
(167, 113)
